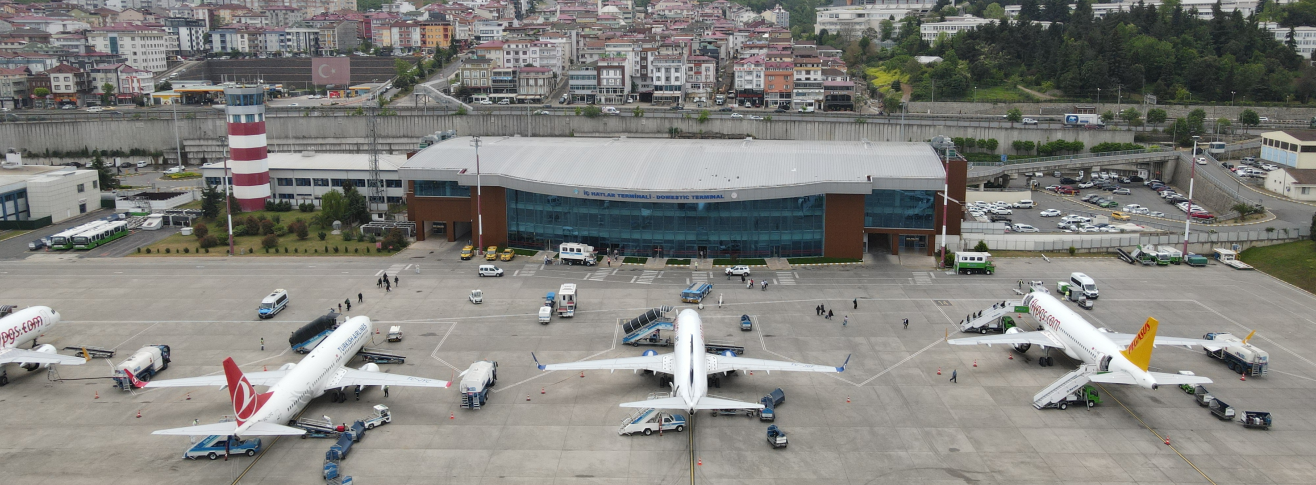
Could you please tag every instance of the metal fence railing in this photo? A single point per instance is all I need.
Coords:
(1064, 157)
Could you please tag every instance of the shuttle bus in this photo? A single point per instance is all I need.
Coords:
(100, 235)
(64, 239)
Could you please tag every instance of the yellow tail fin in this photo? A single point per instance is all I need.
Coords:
(1249, 337)
(1140, 349)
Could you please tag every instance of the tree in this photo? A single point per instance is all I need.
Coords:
(211, 198)
(233, 206)
(267, 227)
(1222, 125)
(1131, 116)
(994, 11)
(107, 93)
(298, 227)
(637, 112)
(1156, 116)
(356, 210)
(333, 206)
(590, 111)
(989, 144)
(703, 116)
(1249, 118)
(165, 86)
(200, 230)
(41, 92)
(1014, 115)
(1108, 116)
(888, 29)
(1312, 232)
(107, 180)
(270, 241)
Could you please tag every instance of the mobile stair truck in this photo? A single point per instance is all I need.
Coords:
(566, 300)
(144, 364)
(214, 447)
(646, 328)
(997, 318)
(576, 253)
(649, 420)
(1084, 396)
(476, 381)
(696, 292)
(1238, 354)
(770, 403)
(304, 340)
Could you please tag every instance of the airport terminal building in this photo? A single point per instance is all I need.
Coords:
(683, 198)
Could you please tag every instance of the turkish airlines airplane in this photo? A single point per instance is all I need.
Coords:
(1105, 357)
(690, 367)
(25, 326)
(291, 387)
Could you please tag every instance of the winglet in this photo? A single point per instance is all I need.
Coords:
(1140, 349)
(1249, 337)
(847, 362)
(537, 364)
(132, 379)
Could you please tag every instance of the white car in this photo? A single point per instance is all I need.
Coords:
(174, 170)
(737, 115)
(1156, 214)
(1131, 207)
(755, 117)
(1269, 168)
(741, 270)
(1024, 228)
(1075, 218)
(1201, 160)
(1140, 210)
(1264, 119)
(485, 101)
(611, 110)
(1050, 213)
(1085, 185)
(1030, 121)
(1002, 211)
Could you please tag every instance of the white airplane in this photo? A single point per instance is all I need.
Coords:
(291, 387)
(690, 367)
(25, 326)
(1106, 357)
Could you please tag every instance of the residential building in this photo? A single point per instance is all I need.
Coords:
(30, 61)
(749, 73)
(614, 84)
(534, 84)
(583, 82)
(13, 88)
(778, 16)
(143, 46)
(700, 78)
(191, 34)
(503, 84)
(1304, 37)
(808, 82)
(128, 83)
(952, 25)
(68, 84)
(666, 73)
(38, 81)
(779, 86)
(339, 36)
(851, 21)
(838, 96)
(436, 35)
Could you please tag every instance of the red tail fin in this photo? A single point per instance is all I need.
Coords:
(132, 379)
(245, 400)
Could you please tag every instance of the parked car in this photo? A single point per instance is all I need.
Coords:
(1119, 216)
(1002, 211)
(755, 117)
(1121, 191)
(737, 115)
(1029, 121)
(1024, 228)
(740, 270)
(1107, 204)
(1050, 213)
(1156, 214)
(1085, 185)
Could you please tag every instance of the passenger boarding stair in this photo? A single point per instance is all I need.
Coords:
(1062, 388)
(381, 356)
(470, 400)
(988, 317)
(644, 414)
(646, 324)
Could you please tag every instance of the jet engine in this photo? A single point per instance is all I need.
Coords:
(45, 349)
(1019, 347)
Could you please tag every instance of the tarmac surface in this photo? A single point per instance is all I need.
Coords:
(889, 418)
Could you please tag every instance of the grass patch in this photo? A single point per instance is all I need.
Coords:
(196, 204)
(999, 94)
(11, 234)
(182, 176)
(744, 261)
(822, 260)
(525, 252)
(678, 262)
(635, 260)
(1293, 262)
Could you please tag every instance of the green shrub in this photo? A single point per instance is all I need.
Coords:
(348, 237)
(187, 251)
(1073, 250)
(148, 250)
(280, 230)
(321, 235)
(981, 247)
(200, 230)
(270, 241)
(209, 241)
(207, 250)
(166, 250)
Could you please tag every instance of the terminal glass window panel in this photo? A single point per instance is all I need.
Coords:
(902, 209)
(321, 182)
(213, 181)
(393, 183)
(337, 182)
(441, 188)
(755, 228)
(303, 182)
(284, 182)
(358, 183)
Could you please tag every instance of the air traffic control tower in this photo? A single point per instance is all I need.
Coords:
(247, 150)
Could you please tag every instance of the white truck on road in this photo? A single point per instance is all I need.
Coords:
(566, 300)
(576, 253)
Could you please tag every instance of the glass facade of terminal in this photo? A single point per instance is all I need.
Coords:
(753, 228)
(900, 209)
(441, 188)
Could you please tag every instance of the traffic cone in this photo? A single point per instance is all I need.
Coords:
(1242, 377)
(452, 415)
(1167, 439)
(582, 374)
(376, 331)
(975, 362)
(139, 413)
(847, 399)
(541, 390)
(701, 462)
(938, 371)
(189, 396)
(527, 398)
(98, 395)
(1012, 356)
(265, 368)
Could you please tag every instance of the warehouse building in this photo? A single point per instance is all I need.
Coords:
(684, 198)
(34, 192)
(305, 177)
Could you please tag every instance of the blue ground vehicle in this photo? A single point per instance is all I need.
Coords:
(696, 292)
(273, 304)
(770, 403)
(212, 447)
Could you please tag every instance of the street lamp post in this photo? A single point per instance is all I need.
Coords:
(479, 213)
(945, 209)
(1098, 96)
(228, 186)
(1188, 214)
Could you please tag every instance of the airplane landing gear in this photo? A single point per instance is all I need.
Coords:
(1046, 360)
(4, 378)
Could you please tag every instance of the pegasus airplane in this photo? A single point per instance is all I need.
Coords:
(690, 365)
(1105, 357)
(25, 326)
(291, 387)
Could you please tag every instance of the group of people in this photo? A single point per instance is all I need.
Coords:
(383, 282)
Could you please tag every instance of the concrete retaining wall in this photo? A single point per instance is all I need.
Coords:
(159, 135)
(1056, 109)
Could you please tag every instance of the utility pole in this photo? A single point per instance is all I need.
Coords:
(1188, 214)
(376, 189)
(479, 192)
(945, 207)
(228, 186)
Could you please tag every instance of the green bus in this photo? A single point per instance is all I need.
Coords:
(64, 239)
(100, 235)
(969, 263)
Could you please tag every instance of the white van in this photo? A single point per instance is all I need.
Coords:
(490, 270)
(1085, 282)
(273, 304)
(1024, 204)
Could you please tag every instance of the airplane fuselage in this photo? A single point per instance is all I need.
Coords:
(690, 376)
(1081, 340)
(26, 325)
(309, 378)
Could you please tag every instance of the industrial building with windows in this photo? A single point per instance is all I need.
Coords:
(305, 177)
(685, 198)
(35, 192)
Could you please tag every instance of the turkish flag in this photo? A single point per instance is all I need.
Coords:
(331, 70)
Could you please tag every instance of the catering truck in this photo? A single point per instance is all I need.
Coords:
(1075, 120)
(475, 383)
(576, 253)
(144, 364)
(566, 300)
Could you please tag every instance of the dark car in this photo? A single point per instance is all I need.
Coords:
(779, 110)
(676, 107)
(726, 109)
(1068, 181)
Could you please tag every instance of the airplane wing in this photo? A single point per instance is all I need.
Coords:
(723, 363)
(267, 378)
(1176, 379)
(1035, 338)
(1123, 339)
(20, 356)
(656, 363)
(228, 428)
(357, 377)
(1118, 377)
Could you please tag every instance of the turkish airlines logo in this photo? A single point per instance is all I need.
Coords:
(244, 400)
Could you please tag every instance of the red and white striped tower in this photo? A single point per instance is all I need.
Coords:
(249, 160)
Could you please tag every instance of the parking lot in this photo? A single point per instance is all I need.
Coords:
(890, 418)
(1138, 194)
